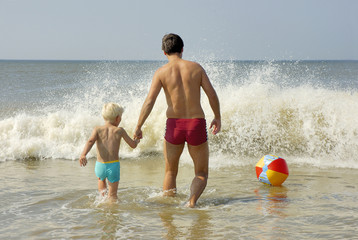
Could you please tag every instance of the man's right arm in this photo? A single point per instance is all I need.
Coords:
(148, 104)
(213, 101)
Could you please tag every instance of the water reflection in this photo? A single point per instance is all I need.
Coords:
(109, 221)
(272, 200)
(31, 163)
(186, 224)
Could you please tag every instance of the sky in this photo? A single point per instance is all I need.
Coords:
(211, 29)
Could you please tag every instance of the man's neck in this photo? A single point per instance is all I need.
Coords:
(174, 56)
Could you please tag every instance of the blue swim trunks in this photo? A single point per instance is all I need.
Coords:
(109, 170)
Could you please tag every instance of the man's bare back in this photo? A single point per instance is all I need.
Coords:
(181, 81)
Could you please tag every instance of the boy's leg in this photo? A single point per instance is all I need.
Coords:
(200, 156)
(102, 186)
(112, 191)
(172, 154)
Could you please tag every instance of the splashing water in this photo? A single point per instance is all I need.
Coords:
(293, 109)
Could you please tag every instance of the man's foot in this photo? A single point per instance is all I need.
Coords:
(191, 205)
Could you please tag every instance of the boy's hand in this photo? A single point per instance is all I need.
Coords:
(83, 161)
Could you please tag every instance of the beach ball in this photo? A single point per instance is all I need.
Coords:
(272, 170)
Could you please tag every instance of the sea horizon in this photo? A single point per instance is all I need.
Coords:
(164, 60)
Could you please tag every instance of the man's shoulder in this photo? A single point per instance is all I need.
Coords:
(186, 64)
(183, 64)
(193, 65)
(191, 62)
(162, 72)
(162, 69)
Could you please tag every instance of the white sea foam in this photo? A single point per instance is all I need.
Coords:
(261, 114)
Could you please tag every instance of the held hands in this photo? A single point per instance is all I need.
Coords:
(83, 161)
(138, 134)
(215, 125)
(137, 141)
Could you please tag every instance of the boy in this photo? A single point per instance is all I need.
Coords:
(108, 138)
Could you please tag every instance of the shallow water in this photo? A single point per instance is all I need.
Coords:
(303, 111)
(57, 199)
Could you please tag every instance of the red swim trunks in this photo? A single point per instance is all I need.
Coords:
(192, 131)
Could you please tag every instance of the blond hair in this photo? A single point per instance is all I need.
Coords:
(111, 110)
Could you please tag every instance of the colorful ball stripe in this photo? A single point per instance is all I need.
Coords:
(272, 170)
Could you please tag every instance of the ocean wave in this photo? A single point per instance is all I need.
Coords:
(307, 123)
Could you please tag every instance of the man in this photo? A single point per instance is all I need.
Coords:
(181, 81)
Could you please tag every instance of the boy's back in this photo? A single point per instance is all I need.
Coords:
(108, 141)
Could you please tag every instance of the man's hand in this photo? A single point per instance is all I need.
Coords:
(215, 125)
(138, 133)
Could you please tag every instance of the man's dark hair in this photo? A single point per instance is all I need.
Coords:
(172, 43)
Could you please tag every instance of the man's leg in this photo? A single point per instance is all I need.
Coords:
(172, 154)
(200, 156)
